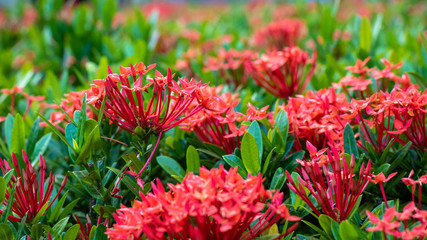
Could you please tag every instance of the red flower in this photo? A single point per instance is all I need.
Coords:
(283, 73)
(30, 195)
(337, 191)
(230, 65)
(280, 34)
(380, 178)
(315, 116)
(408, 225)
(126, 107)
(218, 204)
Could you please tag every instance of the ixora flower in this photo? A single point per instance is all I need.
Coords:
(410, 224)
(332, 183)
(362, 78)
(129, 106)
(315, 116)
(280, 34)
(230, 65)
(126, 107)
(283, 73)
(218, 204)
(31, 198)
(218, 123)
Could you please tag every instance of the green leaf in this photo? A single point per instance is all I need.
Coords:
(109, 10)
(40, 213)
(279, 179)
(365, 34)
(54, 216)
(282, 123)
(72, 232)
(36, 231)
(255, 130)
(249, 152)
(17, 143)
(7, 211)
(41, 147)
(6, 232)
(59, 227)
(399, 156)
(325, 222)
(67, 209)
(235, 161)
(335, 227)
(171, 166)
(349, 231)
(318, 230)
(3, 188)
(8, 126)
(32, 139)
(350, 144)
(107, 211)
(193, 160)
(100, 232)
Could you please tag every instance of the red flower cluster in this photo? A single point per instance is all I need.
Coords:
(128, 106)
(332, 183)
(410, 224)
(280, 34)
(283, 73)
(13, 94)
(30, 195)
(218, 122)
(317, 117)
(230, 65)
(405, 107)
(360, 80)
(218, 204)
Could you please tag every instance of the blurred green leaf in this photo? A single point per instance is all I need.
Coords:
(171, 167)
(193, 160)
(365, 34)
(250, 155)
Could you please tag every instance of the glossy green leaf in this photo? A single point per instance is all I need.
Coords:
(250, 155)
(171, 166)
(59, 227)
(193, 160)
(235, 161)
(3, 188)
(6, 232)
(17, 143)
(349, 231)
(325, 222)
(255, 130)
(105, 211)
(350, 144)
(72, 232)
(41, 147)
(8, 126)
(279, 179)
(8, 210)
(32, 139)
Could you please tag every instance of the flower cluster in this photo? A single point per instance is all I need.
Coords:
(230, 65)
(280, 34)
(361, 79)
(31, 197)
(218, 123)
(410, 224)
(397, 116)
(331, 181)
(218, 204)
(317, 117)
(283, 73)
(129, 107)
